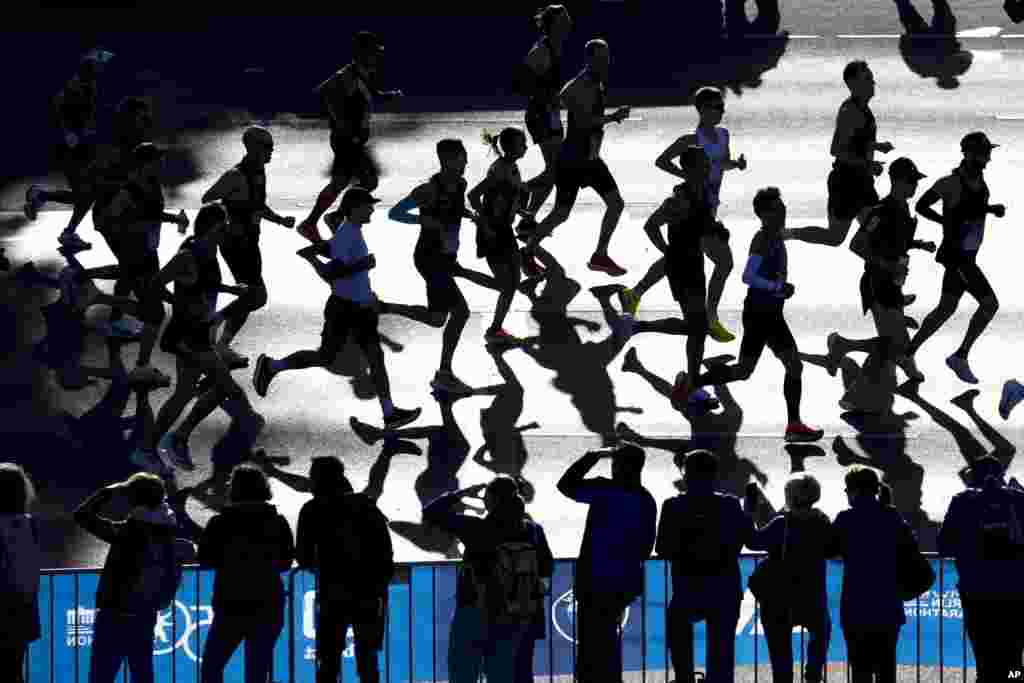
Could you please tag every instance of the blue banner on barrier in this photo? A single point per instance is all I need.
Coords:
(419, 618)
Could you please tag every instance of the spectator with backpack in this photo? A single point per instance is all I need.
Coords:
(249, 544)
(702, 533)
(345, 539)
(500, 590)
(140, 575)
(618, 538)
(869, 537)
(797, 539)
(20, 563)
(982, 533)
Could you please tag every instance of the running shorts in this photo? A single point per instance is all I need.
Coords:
(354, 161)
(573, 175)
(765, 327)
(344, 319)
(438, 272)
(543, 122)
(849, 191)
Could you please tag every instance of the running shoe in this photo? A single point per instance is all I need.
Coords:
(233, 359)
(263, 375)
(798, 432)
(332, 219)
(718, 332)
(909, 299)
(72, 242)
(148, 376)
(832, 360)
(962, 369)
(400, 417)
(125, 328)
(33, 201)
(401, 447)
(309, 231)
(174, 451)
(1013, 393)
(631, 362)
(909, 366)
(148, 461)
(448, 383)
(629, 301)
(624, 328)
(368, 434)
(500, 336)
(605, 264)
(205, 383)
(531, 266)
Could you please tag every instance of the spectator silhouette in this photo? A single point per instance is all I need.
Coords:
(617, 540)
(702, 533)
(249, 545)
(479, 642)
(538, 628)
(142, 570)
(932, 50)
(712, 431)
(982, 533)
(345, 539)
(802, 534)
(868, 537)
(20, 564)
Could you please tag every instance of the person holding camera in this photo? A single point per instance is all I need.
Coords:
(617, 540)
(766, 276)
(140, 576)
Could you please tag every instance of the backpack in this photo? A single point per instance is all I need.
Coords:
(20, 557)
(513, 591)
(157, 582)
(704, 552)
(999, 531)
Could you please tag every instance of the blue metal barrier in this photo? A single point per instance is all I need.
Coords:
(420, 611)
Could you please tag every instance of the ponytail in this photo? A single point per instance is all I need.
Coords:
(501, 142)
(491, 140)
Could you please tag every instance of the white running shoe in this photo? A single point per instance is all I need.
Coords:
(1013, 393)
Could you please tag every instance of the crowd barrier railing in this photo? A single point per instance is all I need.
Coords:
(421, 603)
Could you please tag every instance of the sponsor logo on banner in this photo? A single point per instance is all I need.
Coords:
(934, 604)
(172, 631)
(563, 616)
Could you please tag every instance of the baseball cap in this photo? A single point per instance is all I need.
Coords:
(146, 152)
(976, 141)
(98, 55)
(904, 168)
(356, 196)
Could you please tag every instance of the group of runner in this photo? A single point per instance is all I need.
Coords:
(121, 184)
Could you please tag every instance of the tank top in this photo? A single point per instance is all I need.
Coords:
(585, 143)
(716, 152)
(773, 267)
(968, 219)
(862, 140)
(203, 294)
(244, 212)
(549, 83)
(355, 107)
(448, 209)
(684, 235)
(500, 203)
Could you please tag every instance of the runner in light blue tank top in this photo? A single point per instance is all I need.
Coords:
(714, 139)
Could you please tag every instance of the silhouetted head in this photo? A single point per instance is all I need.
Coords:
(147, 490)
(502, 496)
(327, 477)
(249, 485)
(977, 150)
(700, 469)
(509, 143)
(628, 464)
(859, 79)
(987, 471)
(16, 490)
(597, 57)
(211, 223)
(770, 209)
(134, 118)
(149, 159)
(259, 144)
(452, 155)
(802, 491)
(368, 51)
(861, 482)
(905, 178)
(710, 105)
(554, 22)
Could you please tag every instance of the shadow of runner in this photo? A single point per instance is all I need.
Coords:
(933, 51)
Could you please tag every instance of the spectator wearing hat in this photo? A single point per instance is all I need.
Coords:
(965, 206)
(982, 533)
(351, 309)
(884, 242)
